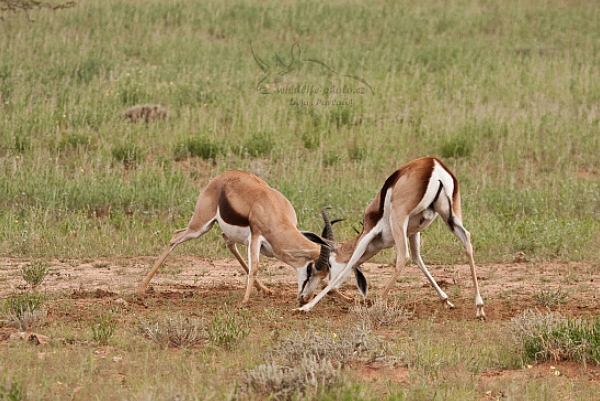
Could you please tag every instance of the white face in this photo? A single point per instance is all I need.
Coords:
(309, 279)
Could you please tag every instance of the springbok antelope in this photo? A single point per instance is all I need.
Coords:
(251, 213)
(408, 202)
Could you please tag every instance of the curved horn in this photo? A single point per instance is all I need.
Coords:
(323, 261)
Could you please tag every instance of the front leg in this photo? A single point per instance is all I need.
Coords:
(415, 249)
(233, 249)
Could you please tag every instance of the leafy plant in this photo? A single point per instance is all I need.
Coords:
(456, 147)
(382, 314)
(258, 145)
(198, 147)
(104, 329)
(550, 336)
(25, 310)
(286, 382)
(14, 393)
(34, 273)
(129, 155)
(228, 328)
(549, 297)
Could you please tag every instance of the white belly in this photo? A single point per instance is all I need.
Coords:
(237, 234)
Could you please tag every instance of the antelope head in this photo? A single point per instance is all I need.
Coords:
(321, 270)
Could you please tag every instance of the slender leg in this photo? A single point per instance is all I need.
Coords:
(253, 253)
(179, 237)
(465, 237)
(399, 224)
(231, 246)
(415, 249)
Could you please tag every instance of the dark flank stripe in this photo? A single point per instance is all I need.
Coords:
(455, 190)
(229, 214)
(419, 164)
(376, 215)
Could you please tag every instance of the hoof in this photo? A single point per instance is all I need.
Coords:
(447, 304)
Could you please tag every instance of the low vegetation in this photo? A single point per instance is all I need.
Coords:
(506, 93)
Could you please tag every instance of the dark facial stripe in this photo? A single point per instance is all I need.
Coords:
(229, 214)
(308, 274)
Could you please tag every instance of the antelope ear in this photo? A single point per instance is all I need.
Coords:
(361, 281)
(319, 240)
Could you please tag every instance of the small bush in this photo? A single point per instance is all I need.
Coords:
(228, 329)
(381, 314)
(176, 332)
(311, 140)
(14, 393)
(547, 298)
(198, 147)
(331, 158)
(25, 311)
(22, 144)
(287, 382)
(357, 152)
(456, 147)
(34, 273)
(258, 145)
(342, 347)
(343, 116)
(129, 155)
(74, 141)
(104, 330)
(550, 336)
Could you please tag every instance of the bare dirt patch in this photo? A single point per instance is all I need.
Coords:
(508, 289)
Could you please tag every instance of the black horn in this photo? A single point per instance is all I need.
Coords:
(323, 261)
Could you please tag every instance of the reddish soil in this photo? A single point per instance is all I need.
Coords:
(507, 289)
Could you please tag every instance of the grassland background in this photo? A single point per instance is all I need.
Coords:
(507, 93)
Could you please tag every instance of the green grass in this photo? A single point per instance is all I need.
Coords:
(506, 95)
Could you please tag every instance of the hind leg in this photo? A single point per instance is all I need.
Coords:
(233, 249)
(464, 236)
(399, 226)
(179, 237)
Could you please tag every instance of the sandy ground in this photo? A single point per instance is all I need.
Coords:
(507, 289)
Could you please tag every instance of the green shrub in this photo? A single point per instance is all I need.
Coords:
(456, 147)
(25, 311)
(258, 145)
(198, 147)
(104, 329)
(549, 297)
(228, 328)
(14, 393)
(22, 144)
(311, 140)
(550, 336)
(129, 155)
(34, 273)
(74, 141)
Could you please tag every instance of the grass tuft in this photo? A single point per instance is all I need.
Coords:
(178, 332)
(104, 329)
(551, 336)
(228, 328)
